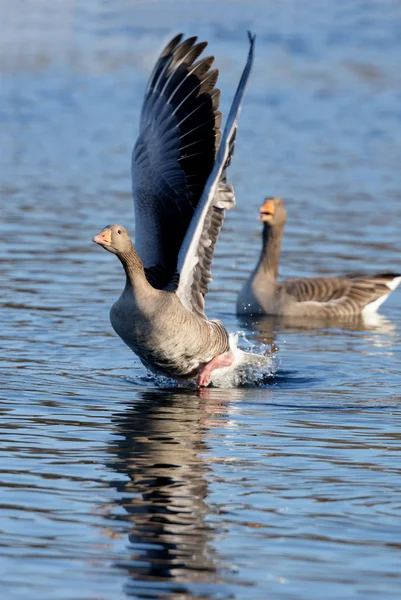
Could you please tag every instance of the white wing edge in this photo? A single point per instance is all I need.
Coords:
(187, 259)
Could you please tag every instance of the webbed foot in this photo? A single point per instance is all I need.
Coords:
(205, 373)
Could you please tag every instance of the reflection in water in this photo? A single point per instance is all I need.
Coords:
(265, 328)
(165, 495)
(298, 486)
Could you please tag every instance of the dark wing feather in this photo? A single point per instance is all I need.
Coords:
(196, 254)
(174, 153)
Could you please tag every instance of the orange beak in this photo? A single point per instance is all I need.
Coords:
(103, 238)
(267, 210)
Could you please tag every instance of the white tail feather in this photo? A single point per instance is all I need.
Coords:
(373, 306)
(393, 283)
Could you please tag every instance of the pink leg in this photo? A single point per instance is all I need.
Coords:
(221, 360)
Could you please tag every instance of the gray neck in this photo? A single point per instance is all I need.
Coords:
(134, 271)
(270, 256)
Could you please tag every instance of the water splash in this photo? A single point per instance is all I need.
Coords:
(251, 367)
(254, 363)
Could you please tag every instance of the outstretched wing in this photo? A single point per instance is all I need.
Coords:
(196, 254)
(174, 154)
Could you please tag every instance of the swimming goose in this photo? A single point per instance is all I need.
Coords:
(322, 297)
(181, 193)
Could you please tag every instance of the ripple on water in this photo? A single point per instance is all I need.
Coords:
(115, 484)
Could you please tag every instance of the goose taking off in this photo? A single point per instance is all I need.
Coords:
(181, 193)
(321, 297)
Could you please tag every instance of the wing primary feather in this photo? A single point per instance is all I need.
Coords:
(175, 57)
(189, 263)
(191, 144)
(180, 116)
(189, 156)
(191, 92)
(165, 56)
(192, 131)
(199, 64)
(193, 53)
(197, 108)
(178, 61)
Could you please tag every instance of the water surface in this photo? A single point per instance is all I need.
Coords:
(115, 487)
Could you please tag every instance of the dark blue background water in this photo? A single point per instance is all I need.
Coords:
(111, 486)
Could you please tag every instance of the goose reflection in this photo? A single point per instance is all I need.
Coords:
(266, 328)
(165, 493)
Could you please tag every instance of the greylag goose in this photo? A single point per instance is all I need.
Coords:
(181, 193)
(321, 297)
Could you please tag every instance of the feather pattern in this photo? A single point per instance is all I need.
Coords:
(174, 153)
(338, 296)
(196, 254)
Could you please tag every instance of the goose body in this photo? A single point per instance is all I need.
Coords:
(180, 189)
(320, 297)
(193, 343)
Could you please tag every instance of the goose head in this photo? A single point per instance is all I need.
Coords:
(272, 211)
(114, 239)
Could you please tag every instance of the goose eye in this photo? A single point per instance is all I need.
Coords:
(119, 231)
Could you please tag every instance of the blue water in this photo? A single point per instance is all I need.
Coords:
(115, 487)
